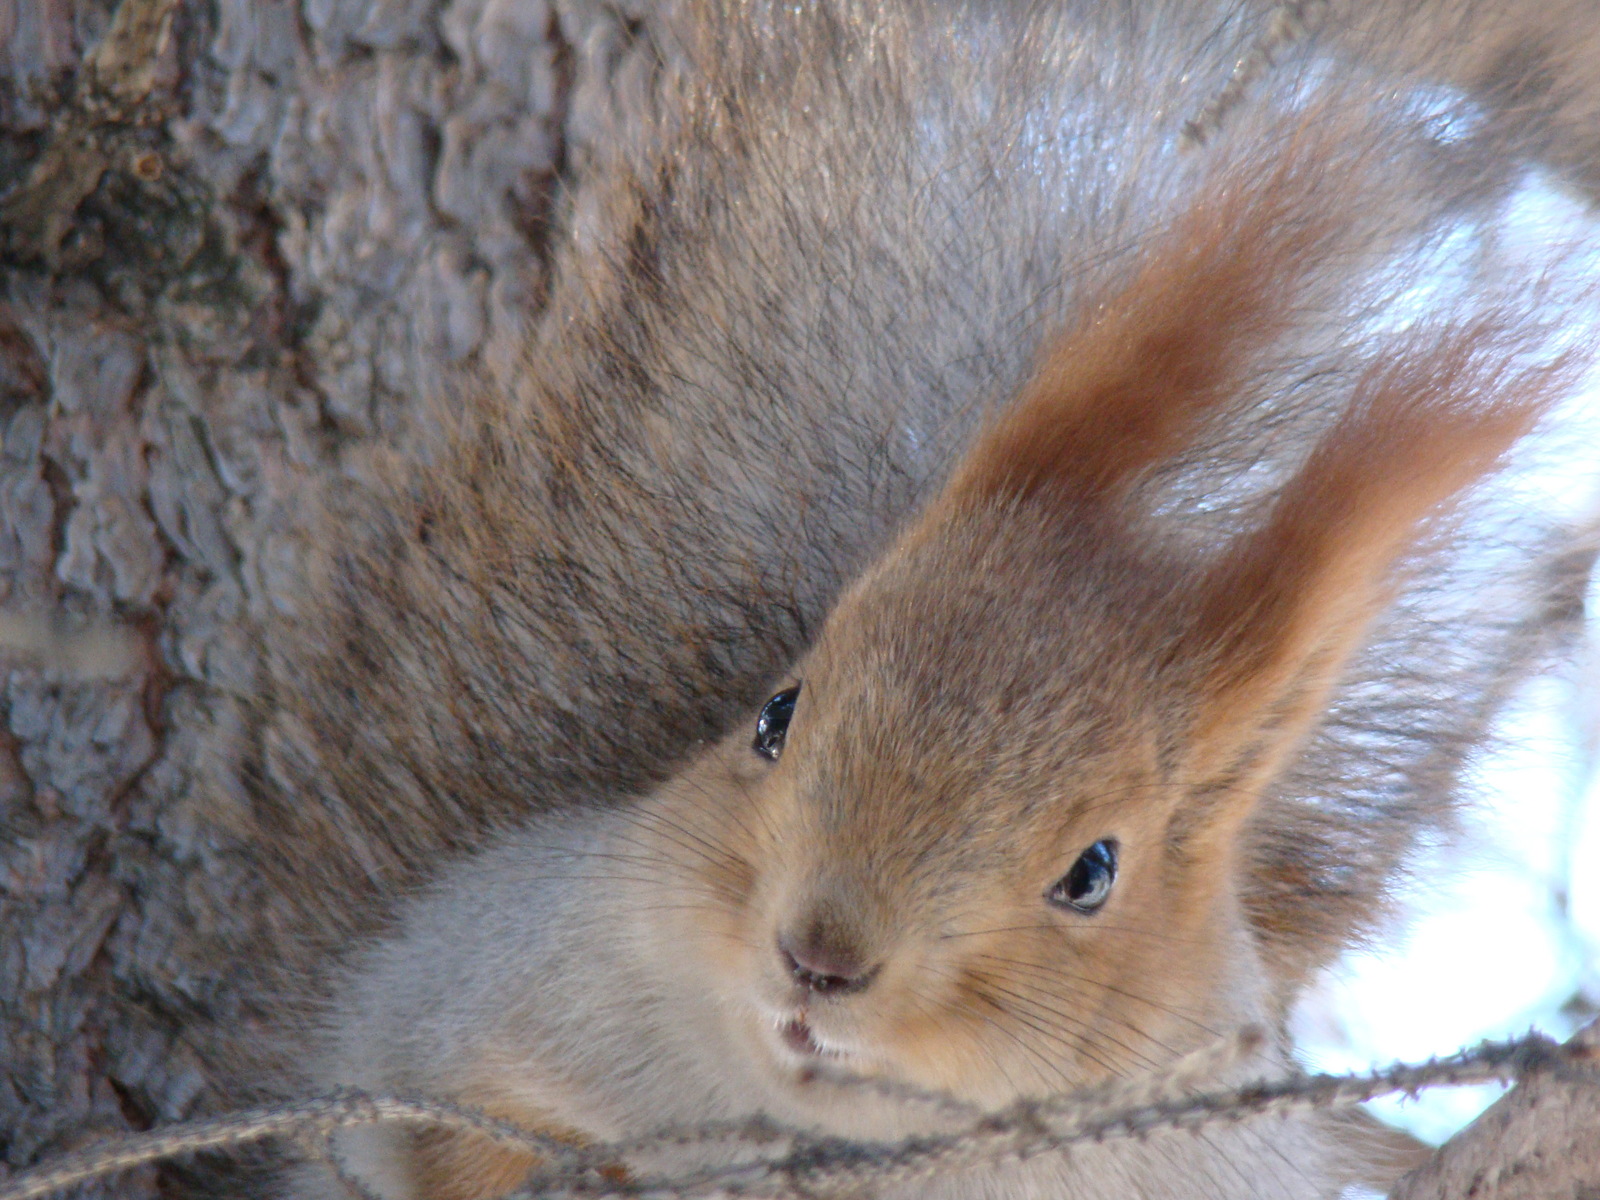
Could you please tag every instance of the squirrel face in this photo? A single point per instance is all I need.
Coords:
(998, 846)
(961, 862)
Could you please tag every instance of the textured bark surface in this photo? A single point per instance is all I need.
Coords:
(1540, 1141)
(242, 240)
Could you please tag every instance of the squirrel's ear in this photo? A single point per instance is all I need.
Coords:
(1277, 614)
(1128, 389)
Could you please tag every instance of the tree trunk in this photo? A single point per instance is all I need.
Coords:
(242, 240)
(1539, 1140)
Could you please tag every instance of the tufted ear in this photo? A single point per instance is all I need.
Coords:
(1129, 388)
(1278, 613)
(1260, 632)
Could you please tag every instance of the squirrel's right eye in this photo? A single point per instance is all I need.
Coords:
(1085, 887)
(773, 723)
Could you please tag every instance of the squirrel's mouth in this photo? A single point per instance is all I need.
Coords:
(797, 1036)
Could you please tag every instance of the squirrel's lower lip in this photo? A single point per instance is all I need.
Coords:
(797, 1037)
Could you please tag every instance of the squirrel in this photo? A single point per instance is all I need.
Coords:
(997, 833)
(786, 302)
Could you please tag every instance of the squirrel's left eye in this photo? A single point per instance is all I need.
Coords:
(773, 723)
(1085, 887)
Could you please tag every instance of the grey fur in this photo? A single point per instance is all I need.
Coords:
(784, 302)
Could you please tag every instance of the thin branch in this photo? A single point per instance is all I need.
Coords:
(790, 1163)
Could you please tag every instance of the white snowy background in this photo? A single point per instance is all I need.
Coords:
(1503, 932)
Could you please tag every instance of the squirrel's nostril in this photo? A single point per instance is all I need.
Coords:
(825, 969)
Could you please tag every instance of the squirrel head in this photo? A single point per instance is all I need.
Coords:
(990, 839)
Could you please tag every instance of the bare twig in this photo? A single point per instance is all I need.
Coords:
(307, 1118)
(790, 1163)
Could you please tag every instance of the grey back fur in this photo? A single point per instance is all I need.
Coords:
(828, 242)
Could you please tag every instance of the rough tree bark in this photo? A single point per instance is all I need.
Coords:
(1541, 1139)
(242, 240)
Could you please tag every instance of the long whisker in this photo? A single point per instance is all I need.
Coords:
(930, 1004)
(1059, 1034)
(1051, 1068)
(680, 834)
(1016, 964)
(1067, 1025)
(1049, 927)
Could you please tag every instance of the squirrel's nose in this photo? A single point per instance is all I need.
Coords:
(825, 966)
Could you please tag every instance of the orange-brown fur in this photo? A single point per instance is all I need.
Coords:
(455, 1166)
(780, 305)
(1037, 663)
(463, 1166)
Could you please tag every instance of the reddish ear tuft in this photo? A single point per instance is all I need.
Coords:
(1282, 608)
(1129, 389)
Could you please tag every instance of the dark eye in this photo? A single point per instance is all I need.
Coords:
(773, 723)
(1086, 886)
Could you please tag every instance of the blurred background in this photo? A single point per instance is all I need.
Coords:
(1500, 929)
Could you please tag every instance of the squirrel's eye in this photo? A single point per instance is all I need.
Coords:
(1086, 886)
(773, 723)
